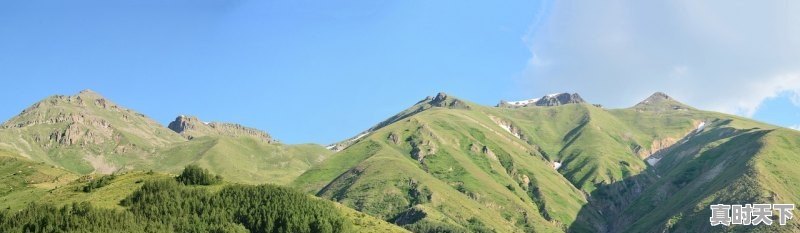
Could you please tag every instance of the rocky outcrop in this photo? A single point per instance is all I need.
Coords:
(191, 127)
(559, 99)
(547, 100)
(182, 124)
(88, 126)
(508, 127)
(239, 130)
(655, 147)
(657, 97)
(444, 101)
(394, 138)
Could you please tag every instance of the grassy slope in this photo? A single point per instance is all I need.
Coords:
(603, 152)
(508, 186)
(111, 136)
(23, 181)
(377, 175)
(739, 162)
(242, 159)
(595, 145)
(123, 185)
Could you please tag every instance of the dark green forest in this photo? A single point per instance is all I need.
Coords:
(170, 206)
(195, 175)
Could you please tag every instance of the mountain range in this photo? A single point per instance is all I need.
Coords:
(552, 164)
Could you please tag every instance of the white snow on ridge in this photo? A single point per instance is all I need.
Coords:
(522, 102)
(529, 101)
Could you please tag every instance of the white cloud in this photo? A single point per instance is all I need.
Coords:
(795, 127)
(716, 55)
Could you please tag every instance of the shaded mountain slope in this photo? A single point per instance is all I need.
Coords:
(722, 164)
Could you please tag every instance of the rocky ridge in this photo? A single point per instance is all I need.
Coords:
(556, 99)
(191, 127)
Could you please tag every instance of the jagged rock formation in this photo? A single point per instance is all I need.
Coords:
(442, 100)
(547, 100)
(83, 133)
(191, 127)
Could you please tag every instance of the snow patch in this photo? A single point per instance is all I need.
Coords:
(556, 165)
(506, 126)
(530, 101)
(523, 102)
(341, 146)
(701, 126)
(360, 136)
(653, 161)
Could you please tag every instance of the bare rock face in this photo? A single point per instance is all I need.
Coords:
(444, 101)
(183, 123)
(394, 138)
(77, 120)
(547, 100)
(559, 99)
(87, 125)
(239, 130)
(191, 127)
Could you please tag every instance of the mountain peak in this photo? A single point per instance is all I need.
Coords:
(87, 91)
(92, 128)
(554, 99)
(658, 96)
(441, 96)
(441, 100)
(445, 101)
(88, 94)
(192, 127)
(660, 101)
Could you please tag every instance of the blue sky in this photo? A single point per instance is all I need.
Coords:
(311, 71)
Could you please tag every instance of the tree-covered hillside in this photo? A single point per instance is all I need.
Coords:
(167, 205)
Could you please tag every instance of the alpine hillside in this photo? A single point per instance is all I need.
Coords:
(447, 164)
(88, 133)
